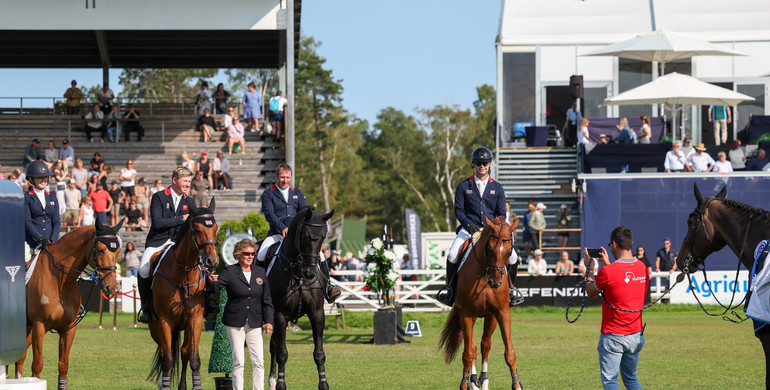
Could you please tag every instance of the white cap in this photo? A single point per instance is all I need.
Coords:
(538, 252)
(540, 205)
(563, 206)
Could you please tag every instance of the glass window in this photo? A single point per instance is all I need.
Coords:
(632, 74)
(518, 89)
(592, 98)
(747, 109)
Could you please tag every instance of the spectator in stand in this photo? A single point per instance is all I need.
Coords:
(632, 133)
(220, 99)
(80, 175)
(58, 172)
(722, 166)
(105, 96)
(675, 159)
(700, 161)
(94, 123)
(133, 218)
(187, 162)
(14, 177)
(128, 180)
(221, 168)
(537, 266)
(563, 220)
(235, 135)
(406, 264)
(665, 260)
(584, 136)
(348, 264)
(60, 186)
(73, 95)
(758, 163)
(582, 267)
(203, 98)
(335, 264)
(737, 157)
(641, 255)
(86, 214)
(625, 132)
(720, 116)
(113, 127)
(157, 186)
(252, 107)
(67, 155)
(118, 197)
(51, 154)
(204, 164)
(526, 234)
(132, 124)
(687, 149)
(604, 139)
(92, 181)
(32, 153)
(206, 125)
(101, 201)
(645, 132)
(565, 266)
(132, 258)
(537, 224)
(198, 189)
(72, 198)
(570, 125)
(142, 192)
(277, 108)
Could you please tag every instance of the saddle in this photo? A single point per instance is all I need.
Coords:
(271, 256)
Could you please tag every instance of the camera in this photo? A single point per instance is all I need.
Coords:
(594, 253)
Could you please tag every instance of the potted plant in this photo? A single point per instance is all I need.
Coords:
(221, 359)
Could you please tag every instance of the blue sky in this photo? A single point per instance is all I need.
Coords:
(405, 54)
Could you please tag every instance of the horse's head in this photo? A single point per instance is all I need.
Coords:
(701, 239)
(308, 231)
(104, 255)
(203, 232)
(497, 250)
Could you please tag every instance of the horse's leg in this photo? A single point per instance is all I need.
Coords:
(504, 318)
(20, 363)
(65, 343)
(271, 380)
(195, 327)
(278, 352)
(469, 350)
(490, 323)
(318, 321)
(185, 356)
(164, 341)
(38, 331)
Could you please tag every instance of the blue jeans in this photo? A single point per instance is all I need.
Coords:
(619, 352)
(113, 133)
(101, 216)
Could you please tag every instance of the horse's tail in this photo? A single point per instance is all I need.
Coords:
(157, 363)
(451, 335)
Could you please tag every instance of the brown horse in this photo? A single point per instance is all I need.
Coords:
(178, 294)
(717, 222)
(479, 295)
(53, 294)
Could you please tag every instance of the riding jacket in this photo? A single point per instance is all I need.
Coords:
(471, 207)
(41, 221)
(165, 219)
(276, 208)
(246, 300)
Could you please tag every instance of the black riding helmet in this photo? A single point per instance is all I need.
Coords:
(481, 154)
(37, 169)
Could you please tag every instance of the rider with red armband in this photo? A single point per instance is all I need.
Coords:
(41, 209)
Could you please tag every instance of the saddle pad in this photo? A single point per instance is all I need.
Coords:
(272, 256)
(163, 250)
(30, 268)
(472, 243)
(758, 306)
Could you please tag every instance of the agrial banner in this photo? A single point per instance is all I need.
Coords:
(413, 233)
(721, 286)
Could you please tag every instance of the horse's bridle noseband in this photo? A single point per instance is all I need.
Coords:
(97, 268)
(486, 272)
(199, 245)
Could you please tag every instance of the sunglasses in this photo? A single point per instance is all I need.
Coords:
(248, 253)
(481, 164)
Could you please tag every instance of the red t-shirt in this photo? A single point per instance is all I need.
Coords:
(99, 200)
(624, 285)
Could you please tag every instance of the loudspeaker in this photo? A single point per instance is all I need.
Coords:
(576, 86)
(385, 326)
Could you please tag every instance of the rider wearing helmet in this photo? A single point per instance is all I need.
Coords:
(41, 209)
(475, 198)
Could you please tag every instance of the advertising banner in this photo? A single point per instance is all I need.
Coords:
(716, 287)
(413, 236)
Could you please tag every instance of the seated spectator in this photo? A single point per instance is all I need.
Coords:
(96, 165)
(204, 164)
(645, 132)
(67, 155)
(80, 175)
(565, 266)
(32, 153)
(235, 136)
(187, 162)
(206, 125)
(72, 198)
(132, 124)
(675, 159)
(641, 255)
(758, 163)
(113, 127)
(625, 132)
(221, 168)
(157, 186)
(58, 172)
(203, 98)
(228, 120)
(73, 95)
(133, 218)
(132, 257)
(737, 157)
(582, 267)
(94, 123)
(537, 266)
(86, 214)
(605, 139)
(105, 96)
(143, 195)
(118, 197)
(700, 161)
(198, 189)
(722, 166)
(220, 99)
(687, 149)
(51, 154)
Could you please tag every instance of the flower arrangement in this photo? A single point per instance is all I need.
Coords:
(379, 268)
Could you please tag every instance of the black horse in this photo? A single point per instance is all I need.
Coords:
(297, 289)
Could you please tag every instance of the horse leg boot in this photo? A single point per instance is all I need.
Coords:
(447, 297)
(145, 293)
(514, 295)
(332, 292)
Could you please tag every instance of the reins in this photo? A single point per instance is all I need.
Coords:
(296, 284)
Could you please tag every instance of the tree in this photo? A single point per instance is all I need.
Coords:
(266, 81)
(221, 359)
(162, 85)
(485, 110)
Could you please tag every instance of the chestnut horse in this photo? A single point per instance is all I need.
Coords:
(479, 295)
(717, 222)
(178, 294)
(53, 294)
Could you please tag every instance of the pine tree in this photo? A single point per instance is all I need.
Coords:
(221, 359)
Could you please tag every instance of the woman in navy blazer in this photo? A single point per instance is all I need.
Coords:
(249, 311)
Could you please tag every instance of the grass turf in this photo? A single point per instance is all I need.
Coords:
(684, 349)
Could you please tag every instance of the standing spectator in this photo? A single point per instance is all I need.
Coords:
(73, 95)
(134, 219)
(277, 108)
(206, 125)
(86, 214)
(335, 264)
(105, 96)
(118, 197)
(406, 264)
(142, 192)
(758, 163)
(67, 155)
(157, 186)
(624, 285)
(127, 180)
(537, 224)
(720, 117)
(92, 180)
(349, 264)
(72, 197)
(58, 172)
(113, 127)
(32, 153)
(248, 311)
(722, 166)
(526, 234)
(565, 266)
(203, 97)
(563, 220)
(641, 255)
(80, 175)
(645, 132)
(700, 161)
(252, 107)
(187, 162)
(17, 178)
(625, 132)
(675, 159)
(537, 266)
(204, 164)
(584, 136)
(665, 260)
(101, 201)
(132, 117)
(737, 157)
(221, 168)
(687, 149)
(51, 154)
(94, 123)
(235, 135)
(570, 135)
(132, 257)
(220, 99)
(198, 189)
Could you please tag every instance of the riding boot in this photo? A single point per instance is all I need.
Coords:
(447, 296)
(145, 293)
(514, 295)
(332, 291)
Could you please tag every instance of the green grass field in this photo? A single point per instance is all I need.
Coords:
(685, 349)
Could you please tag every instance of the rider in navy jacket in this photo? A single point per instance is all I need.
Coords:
(42, 223)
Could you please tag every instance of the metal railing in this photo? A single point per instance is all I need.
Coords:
(43, 105)
(557, 248)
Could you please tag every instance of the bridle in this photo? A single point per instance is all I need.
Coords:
(303, 259)
(202, 218)
(490, 268)
(95, 275)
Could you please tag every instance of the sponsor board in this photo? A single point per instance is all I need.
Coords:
(720, 286)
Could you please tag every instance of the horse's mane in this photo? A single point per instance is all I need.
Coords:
(743, 207)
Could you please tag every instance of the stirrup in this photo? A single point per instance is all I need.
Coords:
(445, 295)
(332, 294)
(515, 296)
(144, 316)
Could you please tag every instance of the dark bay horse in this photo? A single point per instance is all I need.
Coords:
(178, 294)
(297, 290)
(479, 295)
(53, 294)
(717, 222)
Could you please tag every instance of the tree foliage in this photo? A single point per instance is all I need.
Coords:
(162, 85)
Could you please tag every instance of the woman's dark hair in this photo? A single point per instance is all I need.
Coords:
(132, 246)
(736, 144)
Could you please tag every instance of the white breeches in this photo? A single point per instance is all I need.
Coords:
(144, 264)
(462, 236)
(253, 339)
(268, 242)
